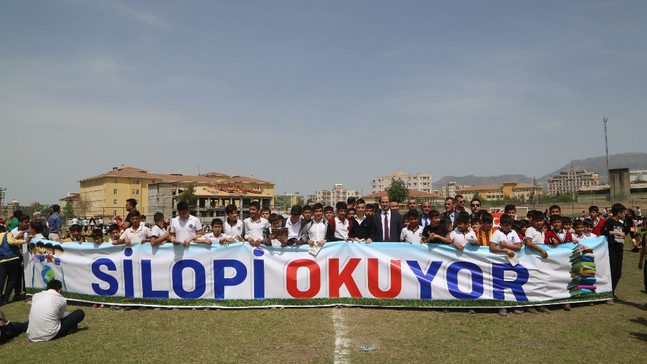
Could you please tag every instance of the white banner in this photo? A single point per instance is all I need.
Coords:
(341, 269)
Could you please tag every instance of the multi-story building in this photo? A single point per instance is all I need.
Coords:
(420, 196)
(506, 190)
(639, 175)
(338, 193)
(414, 181)
(568, 182)
(105, 195)
(451, 189)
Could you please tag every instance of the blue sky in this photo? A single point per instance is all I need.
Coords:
(311, 93)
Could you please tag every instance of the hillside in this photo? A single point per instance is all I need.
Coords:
(474, 180)
(632, 161)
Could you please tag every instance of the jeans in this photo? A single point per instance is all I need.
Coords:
(10, 271)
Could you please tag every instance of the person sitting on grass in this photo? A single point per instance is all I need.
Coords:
(9, 329)
(47, 317)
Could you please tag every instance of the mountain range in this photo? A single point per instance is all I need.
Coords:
(633, 161)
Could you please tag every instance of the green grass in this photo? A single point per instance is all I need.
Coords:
(591, 332)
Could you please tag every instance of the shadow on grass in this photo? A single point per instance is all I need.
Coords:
(639, 320)
(639, 335)
(640, 306)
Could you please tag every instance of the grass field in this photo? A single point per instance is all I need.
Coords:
(589, 333)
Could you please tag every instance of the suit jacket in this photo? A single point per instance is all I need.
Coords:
(395, 226)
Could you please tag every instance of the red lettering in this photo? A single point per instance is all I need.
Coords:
(314, 277)
(336, 278)
(395, 278)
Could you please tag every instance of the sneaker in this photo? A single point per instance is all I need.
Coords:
(471, 311)
(610, 302)
(532, 310)
(567, 307)
(517, 311)
(544, 309)
(503, 312)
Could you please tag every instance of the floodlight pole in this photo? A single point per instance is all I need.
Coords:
(606, 144)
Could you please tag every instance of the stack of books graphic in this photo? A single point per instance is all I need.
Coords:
(582, 271)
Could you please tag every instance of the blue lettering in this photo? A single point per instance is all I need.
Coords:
(147, 282)
(477, 280)
(219, 280)
(259, 279)
(424, 278)
(113, 285)
(200, 279)
(129, 288)
(499, 284)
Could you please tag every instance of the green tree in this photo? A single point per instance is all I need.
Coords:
(397, 191)
(68, 210)
(188, 195)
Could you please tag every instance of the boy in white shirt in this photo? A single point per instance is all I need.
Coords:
(588, 229)
(159, 235)
(413, 232)
(137, 232)
(535, 236)
(463, 234)
(316, 229)
(216, 235)
(578, 231)
(339, 226)
(505, 240)
(185, 227)
(233, 226)
(254, 225)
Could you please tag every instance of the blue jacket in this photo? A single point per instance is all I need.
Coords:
(8, 252)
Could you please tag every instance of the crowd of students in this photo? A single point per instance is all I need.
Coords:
(353, 220)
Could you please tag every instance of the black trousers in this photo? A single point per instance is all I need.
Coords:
(11, 330)
(615, 264)
(9, 270)
(70, 322)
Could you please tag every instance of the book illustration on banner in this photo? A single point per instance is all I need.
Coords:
(582, 271)
(46, 264)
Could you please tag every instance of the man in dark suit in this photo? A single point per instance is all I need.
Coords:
(388, 220)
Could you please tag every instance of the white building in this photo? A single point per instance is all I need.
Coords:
(338, 193)
(570, 181)
(638, 175)
(452, 189)
(414, 181)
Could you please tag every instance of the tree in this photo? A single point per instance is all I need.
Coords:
(68, 210)
(83, 206)
(188, 195)
(397, 191)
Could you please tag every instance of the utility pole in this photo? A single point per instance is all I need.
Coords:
(606, 144)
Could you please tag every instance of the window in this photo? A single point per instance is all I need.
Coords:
(114, 180)
(114, 192)
(136, 182)
(114, 202)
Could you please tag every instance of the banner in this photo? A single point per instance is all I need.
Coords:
(341, 269)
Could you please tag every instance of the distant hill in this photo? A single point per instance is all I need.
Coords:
(474, 180)
(632, 161)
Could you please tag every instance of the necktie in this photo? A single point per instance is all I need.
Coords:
(386, 226)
